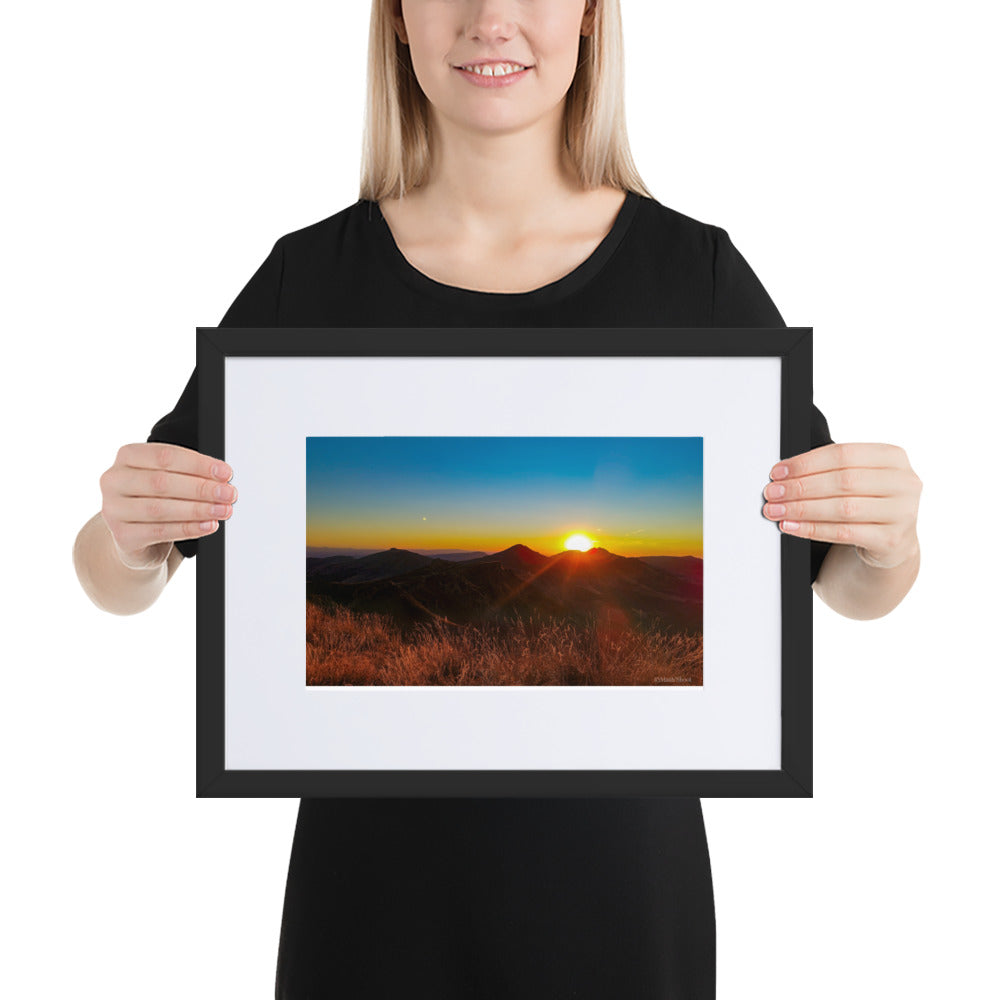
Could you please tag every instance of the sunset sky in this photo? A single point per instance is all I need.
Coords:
(632, 496)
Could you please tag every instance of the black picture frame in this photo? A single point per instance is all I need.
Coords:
(794, 778)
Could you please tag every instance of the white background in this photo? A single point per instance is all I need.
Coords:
(155, 153)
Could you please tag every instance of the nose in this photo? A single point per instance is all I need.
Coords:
(491, 20)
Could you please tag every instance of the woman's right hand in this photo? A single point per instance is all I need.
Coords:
(156, 494)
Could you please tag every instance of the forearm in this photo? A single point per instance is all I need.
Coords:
(856, 590)
(107, 581)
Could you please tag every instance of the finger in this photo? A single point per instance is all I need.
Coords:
(175, 458)
(131, 482)
(840, 482)
(145, 510)
(132, 536)
(841, 456)
(874, 510)
(867, 536)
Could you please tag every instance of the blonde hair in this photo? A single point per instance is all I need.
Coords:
(396, 150)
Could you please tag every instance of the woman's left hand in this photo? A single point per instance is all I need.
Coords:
(865, 495)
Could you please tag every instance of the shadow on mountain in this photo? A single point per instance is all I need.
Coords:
(651, 593)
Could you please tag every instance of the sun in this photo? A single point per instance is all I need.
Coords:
(581, 543)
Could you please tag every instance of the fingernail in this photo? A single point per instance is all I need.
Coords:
(779, 472)
(222, 471)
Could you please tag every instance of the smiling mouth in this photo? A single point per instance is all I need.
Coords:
(494, 69)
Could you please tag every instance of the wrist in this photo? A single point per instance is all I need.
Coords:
(151, 557)
(911, 555)
(108, 582)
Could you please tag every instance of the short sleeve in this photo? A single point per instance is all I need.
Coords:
(257, 305)
(738, 300)
(738, 297)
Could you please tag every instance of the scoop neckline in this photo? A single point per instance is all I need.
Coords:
(566, 285)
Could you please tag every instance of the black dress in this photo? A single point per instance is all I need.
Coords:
(474, 899)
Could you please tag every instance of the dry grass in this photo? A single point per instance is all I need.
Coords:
(346, 647)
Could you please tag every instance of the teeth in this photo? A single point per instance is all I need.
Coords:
(497, 69)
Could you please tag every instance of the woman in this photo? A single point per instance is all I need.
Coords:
(501, 197)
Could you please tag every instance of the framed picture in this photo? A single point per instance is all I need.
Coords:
(503, 562)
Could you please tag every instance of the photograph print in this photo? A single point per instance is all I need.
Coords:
(504, 561)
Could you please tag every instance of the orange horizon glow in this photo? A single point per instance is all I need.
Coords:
(546, 544)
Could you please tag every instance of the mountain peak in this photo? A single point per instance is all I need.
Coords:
(594, 550)
(521, 554)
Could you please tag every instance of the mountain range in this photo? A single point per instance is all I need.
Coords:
(468, 588)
